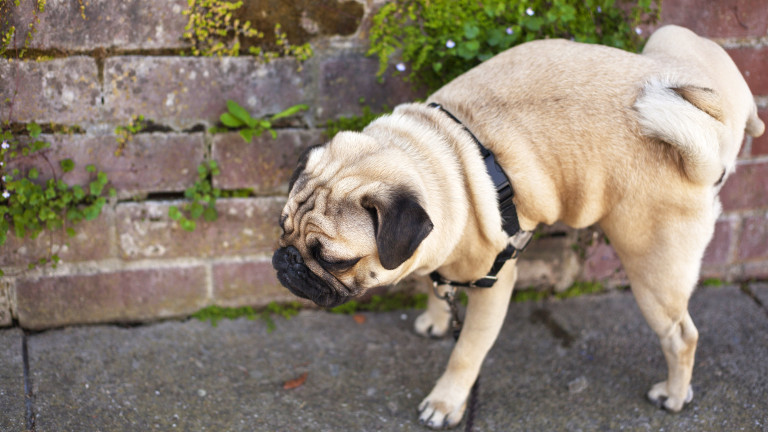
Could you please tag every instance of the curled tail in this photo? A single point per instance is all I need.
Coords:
(689, 118)
(755, 126)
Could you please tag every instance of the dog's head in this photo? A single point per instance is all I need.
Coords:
(353, 220)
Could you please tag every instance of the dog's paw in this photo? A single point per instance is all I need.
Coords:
(441, 411)
(431, 324)
(659, 395)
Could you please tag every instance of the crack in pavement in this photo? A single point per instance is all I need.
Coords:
(744, 287)
(29, 397)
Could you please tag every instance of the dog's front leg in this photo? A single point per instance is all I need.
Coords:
(486, 310)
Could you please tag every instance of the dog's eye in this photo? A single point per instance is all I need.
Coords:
(337, 266)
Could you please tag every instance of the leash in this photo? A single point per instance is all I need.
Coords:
(456, 325)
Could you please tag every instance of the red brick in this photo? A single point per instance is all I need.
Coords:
(756, 270)
(602, 264)
(747, 188)
(148, 163)
(250, 283)
(65, 91)
(753, 64)
(94, 240)
(246, 226)
(119, 296)
(718, 250)
(183, 92)
(760, 144)
(114, 24)
(753, 242)
(721, 18)
(265, 164)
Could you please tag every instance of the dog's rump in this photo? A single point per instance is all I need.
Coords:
(703, 119)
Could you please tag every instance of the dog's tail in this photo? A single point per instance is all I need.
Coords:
(689, 118)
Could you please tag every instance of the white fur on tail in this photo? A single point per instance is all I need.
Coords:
(666, 111)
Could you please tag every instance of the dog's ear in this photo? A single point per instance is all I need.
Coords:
(301, 165)
(401, 224)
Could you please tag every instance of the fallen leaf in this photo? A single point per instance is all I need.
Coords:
(360, 319)
(294, 383)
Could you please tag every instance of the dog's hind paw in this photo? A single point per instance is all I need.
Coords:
(659, 396)
(429, 325)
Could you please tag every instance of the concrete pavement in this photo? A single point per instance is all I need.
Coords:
(580, 364)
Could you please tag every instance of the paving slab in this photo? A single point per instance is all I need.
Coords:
(576, 364)
(12, 402)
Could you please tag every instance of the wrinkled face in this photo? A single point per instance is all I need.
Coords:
(346, 229)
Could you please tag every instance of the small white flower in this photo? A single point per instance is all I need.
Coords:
(5, 145)
(6, 194)
(529, 12)
(450, 44)
(599, 9)
(510, 30)
(638, 30)
(400, 67)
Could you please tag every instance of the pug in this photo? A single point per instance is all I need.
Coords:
(639, 144)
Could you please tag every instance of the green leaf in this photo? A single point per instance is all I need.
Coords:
(471, 30)
(91, 168)
(67, 165)
(196, 210)
(78, 192)
(290, 111)
(210, 214)
(174, 213)
(231, 121)
(34, 129)
(187, 224)
(241, 113)
(71, 232)
(33, 174)
(247, 134)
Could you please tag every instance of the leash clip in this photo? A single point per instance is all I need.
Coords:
(450, 298)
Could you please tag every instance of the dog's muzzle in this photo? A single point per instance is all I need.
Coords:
(300, 280)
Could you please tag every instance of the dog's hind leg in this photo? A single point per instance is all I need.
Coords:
(663, 268)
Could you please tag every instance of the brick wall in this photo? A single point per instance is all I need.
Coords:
(133, 263)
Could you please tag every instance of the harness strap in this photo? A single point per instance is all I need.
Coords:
(510, 222)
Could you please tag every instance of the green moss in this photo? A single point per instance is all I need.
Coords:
(712, 282)
(383, 303)
(529, 295)
(214, 313)
(352, 123)
(580, 288)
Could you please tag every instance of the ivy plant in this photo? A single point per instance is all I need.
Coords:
(202, 195)
(124, 134)
(202, 198)
(28, 205)
(440, 39)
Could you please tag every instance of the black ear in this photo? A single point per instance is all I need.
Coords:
(301, 165)
(401, 224)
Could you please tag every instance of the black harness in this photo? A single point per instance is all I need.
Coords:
(510, 222)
